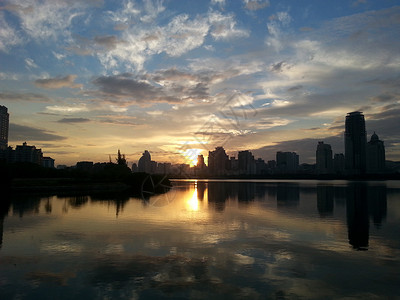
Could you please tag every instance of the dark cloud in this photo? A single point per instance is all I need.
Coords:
(295, 88)
(119, 122)
(391, 82)
(58, 82)
(173, 74)
(26, 133)
(109, 42)
(169, 86)
(122, 85)
(278, 67)
(386, 97)
(73, 120)
(31, 97)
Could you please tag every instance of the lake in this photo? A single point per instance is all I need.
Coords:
(224, 239)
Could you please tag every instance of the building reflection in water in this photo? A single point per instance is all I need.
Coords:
(357, 216)
(325, 196)
(201, 188)
(287, 195)
(377, 204)
(363, 202)
(4, 208)
(216, 194)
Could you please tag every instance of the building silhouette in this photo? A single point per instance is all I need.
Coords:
(200, 162)
(247, 164)
(375, 155)
(26, 153)
(144, 163)
(287, 162)
(338, 163)
(48, 162)
(218, 161)
(4, 123)
(355, 142)
(324, 158)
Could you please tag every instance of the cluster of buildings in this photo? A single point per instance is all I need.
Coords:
(145, 164)
(21, 153)
(360, 157)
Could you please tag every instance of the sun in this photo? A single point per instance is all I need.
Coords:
(191, 156)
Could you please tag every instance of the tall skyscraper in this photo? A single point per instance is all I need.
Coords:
(355, 143)
(375, 155)
(218, 161)
(4, 121)
(324, 158)
(144, 164)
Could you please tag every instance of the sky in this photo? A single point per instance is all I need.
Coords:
(84, 78)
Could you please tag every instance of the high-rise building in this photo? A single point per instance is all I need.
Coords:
(218, 161)
(144, 163)
(338, 163)
(247, 164)
(26, 153)
(4, 123)
(200, 162)
(355, 142)
(324, 158)
(287, 162)
(375, 155)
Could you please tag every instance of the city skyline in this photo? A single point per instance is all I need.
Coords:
(82, 80)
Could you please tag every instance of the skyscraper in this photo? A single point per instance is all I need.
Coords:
(375, 155)
(247, 164)
(218, 161)
(355, 142)
(324, 158)
(144, 164)
(4, 121)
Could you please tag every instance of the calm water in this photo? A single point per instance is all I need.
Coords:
(207, 240)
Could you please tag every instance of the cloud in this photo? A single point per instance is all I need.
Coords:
(295, 88)
(58, 82)
(358, 2)
(275, 26)
(279, 67)
(223, 27)
(67, 108)
(30, 63)
(124, 86)
(109, 41)
(30, 97)
(386, 97)
(26, 133)
(140, 40)
(171, 86)
(45, 20)
(73, 120)
(9, 37)
(256, 4)
(218, 2)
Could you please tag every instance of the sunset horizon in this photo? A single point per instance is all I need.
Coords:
(85, 79)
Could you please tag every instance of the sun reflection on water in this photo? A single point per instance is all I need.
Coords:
(193, 202)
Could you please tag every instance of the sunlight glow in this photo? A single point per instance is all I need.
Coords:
(190, 155)
(193, 202)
